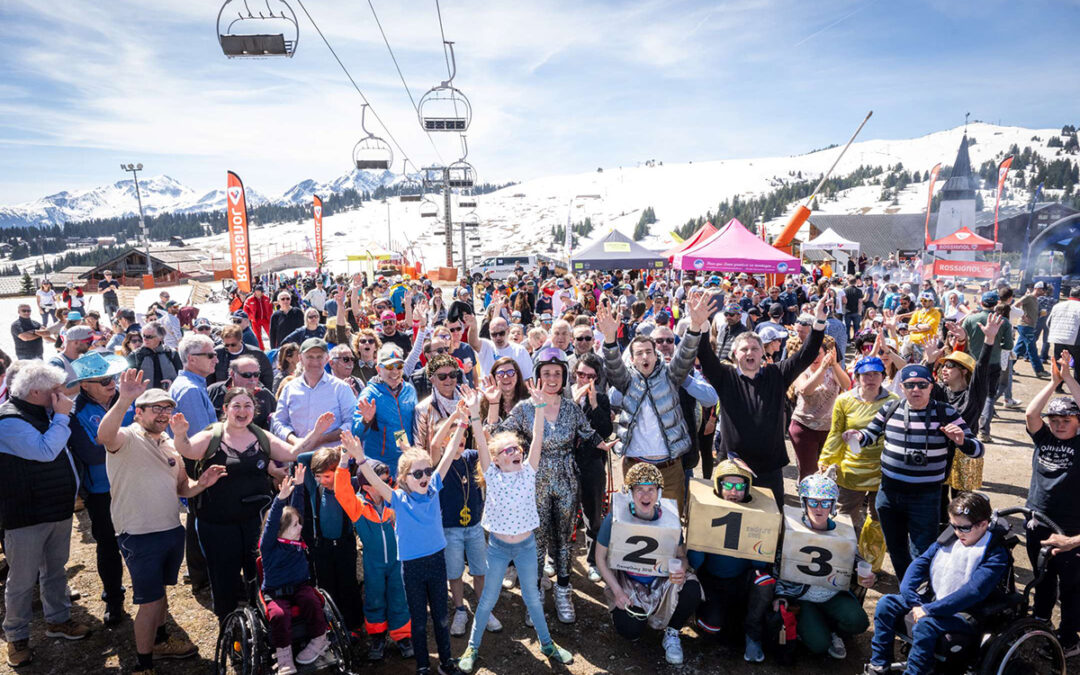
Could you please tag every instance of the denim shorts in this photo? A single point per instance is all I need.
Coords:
(462, 543)
(153, 561)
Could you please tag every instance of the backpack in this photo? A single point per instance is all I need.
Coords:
(218, 429)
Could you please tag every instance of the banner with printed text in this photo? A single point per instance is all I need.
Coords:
(1003, 172)
(239, 241)
(318, 232)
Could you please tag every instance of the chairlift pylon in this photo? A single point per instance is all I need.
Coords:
(255, 33)
(445, 107)
(371, 152)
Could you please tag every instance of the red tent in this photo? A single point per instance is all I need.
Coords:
(704, 232)
(962, 240)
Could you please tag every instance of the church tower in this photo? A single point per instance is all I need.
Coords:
(957, 207)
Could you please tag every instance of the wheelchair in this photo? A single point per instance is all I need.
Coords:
(1005, 638)
(243, 645)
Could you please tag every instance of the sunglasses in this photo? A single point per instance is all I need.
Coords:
(390, 322)
(150, 337)
(135, 341)
(499, 333)
(915, 385)
(583, 338)
(585, 376)
(421, 473)
(727, 485)
(963, 529)
(443, 377)
(345, 359)
(248, 376)
(505, 373)
(397, 365)
(456, 329)
(103, 381)
(441, 350)
(236, 321)
(511, 450)
(819, 503)
(664, 341)
(368, 341)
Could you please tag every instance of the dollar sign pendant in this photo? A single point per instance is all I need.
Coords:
(465, 516)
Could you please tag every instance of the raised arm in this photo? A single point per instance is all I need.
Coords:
(614, 367)
(472, 397)
(282, 451)
(356, 451)
(130, 386)
(538, 404)
(189, 448)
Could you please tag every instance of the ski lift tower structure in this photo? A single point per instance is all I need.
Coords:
(438, 178)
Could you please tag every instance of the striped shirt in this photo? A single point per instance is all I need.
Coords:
(909, 434)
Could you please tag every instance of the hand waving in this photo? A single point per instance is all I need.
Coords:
(179, 425)
(491, 391)
(324, 422)
(352, 445)
(367, 409)
(131, 384)
(607, 323)
(990, 330)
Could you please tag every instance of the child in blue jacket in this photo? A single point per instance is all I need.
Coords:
(963, 567)
(385, 608)
(286, 580)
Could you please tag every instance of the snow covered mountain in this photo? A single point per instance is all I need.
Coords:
(357, 179)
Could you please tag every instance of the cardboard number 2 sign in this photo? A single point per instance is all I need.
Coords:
(643, 546)
(817, 558)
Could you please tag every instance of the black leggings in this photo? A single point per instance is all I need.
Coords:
(592, 484)
(335, 572)
(230, 550)
(631, 627)
(110, 565)
(425, 585)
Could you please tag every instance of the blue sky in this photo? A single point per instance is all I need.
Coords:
(557, 86)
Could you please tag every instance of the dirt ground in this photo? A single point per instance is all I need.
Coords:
(595, 646)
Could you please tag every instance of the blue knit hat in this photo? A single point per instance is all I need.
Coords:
(915, 370)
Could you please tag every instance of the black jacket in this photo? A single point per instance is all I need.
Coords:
(34, 492)
(224, 358)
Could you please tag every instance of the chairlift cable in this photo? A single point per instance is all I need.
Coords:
(438, 11)
(402, 76)
(351, 80)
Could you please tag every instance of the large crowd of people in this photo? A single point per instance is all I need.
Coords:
(414, 430)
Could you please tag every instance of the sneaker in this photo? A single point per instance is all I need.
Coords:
(69, 630)
(754, 653)
(377, 649)
(557, 653)
(594, 575)
(450, 668)
(19, 653)
(114, 614)
(564, 604)
(1042, 375)
(510, 579)
(871, 669)
(468, 660)
(1013, 403)
(493, 624)
(672, 647)
(175, 648)
(549, 569)
(313, 650)
(460, 622)
(545, 584)
(285, 665)
(837, 650)
(73, 594)
(984, 437)
(405, 646)
(528, 618)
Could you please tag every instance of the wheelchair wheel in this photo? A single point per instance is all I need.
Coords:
(241, 645)
(340, 641)
(1028, 646)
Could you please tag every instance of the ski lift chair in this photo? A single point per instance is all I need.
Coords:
(445, 107)
(251, 32)
(467, 200)
(429, 209)
(414, 187)
(371, 152)
(461, 174)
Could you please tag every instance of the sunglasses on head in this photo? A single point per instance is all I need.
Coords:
(728, 485)
(819, 503)
(915, 385)
(421, 473)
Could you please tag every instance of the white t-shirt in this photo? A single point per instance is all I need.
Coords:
(489, 353)
(510, 506)
(46, 299)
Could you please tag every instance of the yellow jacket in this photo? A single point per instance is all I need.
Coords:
(930, 316)
(860, 471)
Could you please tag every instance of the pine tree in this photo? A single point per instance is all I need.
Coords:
(27, 287)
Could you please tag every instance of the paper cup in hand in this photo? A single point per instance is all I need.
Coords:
(865, 569)
(674, 566)
(853, 444)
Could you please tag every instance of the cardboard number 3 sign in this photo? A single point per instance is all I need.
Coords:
(815, 557)
(643, 546)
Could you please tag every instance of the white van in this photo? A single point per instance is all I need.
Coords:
(503, 266)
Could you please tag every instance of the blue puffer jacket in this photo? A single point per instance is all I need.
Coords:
(392, 413)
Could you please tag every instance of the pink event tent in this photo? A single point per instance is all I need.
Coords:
(735, 249)
(704, 232)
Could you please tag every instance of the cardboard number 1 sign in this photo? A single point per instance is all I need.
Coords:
(815, 557)
(643, 546)
(743, 530)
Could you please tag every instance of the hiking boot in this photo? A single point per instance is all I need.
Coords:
(564, 604)
(19, 653)
(460, 623)
(557, 653)
(449, 668)
(672, 646)
(753, 653)
(493, 624)
(404, 645)
(837, 650)
(377, 650)
(114, 614)
(468, 660)
(313, 650)
(69, 630)
(175, 648)
(984, 437)
(285, 665)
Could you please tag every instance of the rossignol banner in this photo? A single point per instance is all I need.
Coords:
(930, 201)
(318, 232)
(1003, 171)
(239, 242)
